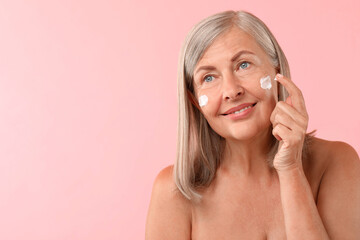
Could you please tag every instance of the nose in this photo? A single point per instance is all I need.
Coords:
(232, 88)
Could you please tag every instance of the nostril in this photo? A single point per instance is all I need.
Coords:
(236, 95)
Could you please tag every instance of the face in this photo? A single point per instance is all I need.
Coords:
(229, 75)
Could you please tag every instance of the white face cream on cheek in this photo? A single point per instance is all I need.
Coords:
(203, 99)
(265, 82)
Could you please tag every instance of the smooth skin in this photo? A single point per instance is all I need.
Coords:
(318, 198)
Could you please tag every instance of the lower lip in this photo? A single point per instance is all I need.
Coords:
(242, 115)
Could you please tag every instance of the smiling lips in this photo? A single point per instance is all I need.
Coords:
(239, 108)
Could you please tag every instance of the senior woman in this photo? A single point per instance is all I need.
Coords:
(246, 167)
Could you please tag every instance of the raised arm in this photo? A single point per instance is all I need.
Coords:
(337, 213)
(169, 214)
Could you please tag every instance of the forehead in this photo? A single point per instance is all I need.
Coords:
(227, 44)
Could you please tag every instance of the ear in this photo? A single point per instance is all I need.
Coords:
(193, 100)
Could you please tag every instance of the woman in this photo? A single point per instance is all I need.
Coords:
(245, 167)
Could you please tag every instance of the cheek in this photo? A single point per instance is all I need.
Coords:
(255, 89)
(265, 82)
(209, 103)
(209, 100)
(203, 100)
(268, 87)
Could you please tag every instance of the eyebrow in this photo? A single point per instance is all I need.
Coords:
(236, 56)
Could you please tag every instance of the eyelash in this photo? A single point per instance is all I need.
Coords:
(240, 63)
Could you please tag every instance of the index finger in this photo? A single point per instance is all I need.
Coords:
(297, 98)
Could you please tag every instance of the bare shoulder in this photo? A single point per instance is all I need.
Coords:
(339, 192)
(344, 152)
(331, 152)
(324, 152)
(169, 214)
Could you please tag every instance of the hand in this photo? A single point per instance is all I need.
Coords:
(290, 121)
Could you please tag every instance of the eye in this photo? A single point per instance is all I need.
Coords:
(208, 77)
(244, 65)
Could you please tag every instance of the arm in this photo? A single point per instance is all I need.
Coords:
(169, 214)
(290, 120)
(337, 215)
(302, 219)
(339, 192)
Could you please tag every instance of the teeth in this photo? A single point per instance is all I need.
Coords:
(241, 110)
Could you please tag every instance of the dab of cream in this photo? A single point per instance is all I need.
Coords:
(265, 82)
(203, 99)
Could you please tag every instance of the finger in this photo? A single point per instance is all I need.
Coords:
(285, 120)
(281, 132)
(300, 118)
(297, 98)
(290, 137)
(284, 108)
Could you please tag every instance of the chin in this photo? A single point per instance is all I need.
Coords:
(240, 135)
(243, 132)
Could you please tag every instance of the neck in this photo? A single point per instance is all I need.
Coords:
(248, 158)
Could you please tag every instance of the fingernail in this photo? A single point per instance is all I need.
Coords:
(279, 75)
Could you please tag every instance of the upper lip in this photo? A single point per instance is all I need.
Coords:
(237, 108)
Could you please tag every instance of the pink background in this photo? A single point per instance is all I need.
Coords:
(88, 102)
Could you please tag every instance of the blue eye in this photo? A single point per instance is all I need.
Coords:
(244, 65)
(207, 77)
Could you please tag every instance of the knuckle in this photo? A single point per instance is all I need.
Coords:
(276, 117)
(276, 128)
(274, 131)
(305, 121)
(299, 92)
(306, 116)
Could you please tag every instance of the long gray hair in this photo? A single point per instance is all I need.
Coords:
(199, 147)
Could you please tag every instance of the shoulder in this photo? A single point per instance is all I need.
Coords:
(169, 214)
(339, 191)
(332, 159)
(334, 152)
(165, 175)
(324, 155)
(164, 183)
(343, 162)
(343, 151)
(325, 152)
